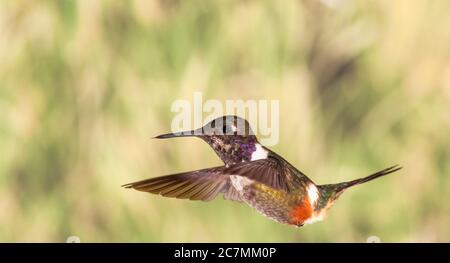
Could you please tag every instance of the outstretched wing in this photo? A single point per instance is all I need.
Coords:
(206, 184)
(203, 184)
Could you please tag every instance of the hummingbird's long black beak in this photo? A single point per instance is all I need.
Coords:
(179, 134)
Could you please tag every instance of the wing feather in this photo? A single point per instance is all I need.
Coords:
(202, 184)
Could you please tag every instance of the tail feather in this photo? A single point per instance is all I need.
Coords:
(343, 186)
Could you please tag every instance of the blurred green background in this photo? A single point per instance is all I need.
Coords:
(362, 85)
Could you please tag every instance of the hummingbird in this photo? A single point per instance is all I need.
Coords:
(252, 174)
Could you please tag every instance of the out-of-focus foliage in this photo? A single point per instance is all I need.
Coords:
(84, 85)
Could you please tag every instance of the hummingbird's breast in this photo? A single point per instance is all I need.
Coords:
(294, 208)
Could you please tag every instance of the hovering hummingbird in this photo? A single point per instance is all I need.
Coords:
(252, 174)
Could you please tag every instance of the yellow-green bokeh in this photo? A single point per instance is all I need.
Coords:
(362, 85)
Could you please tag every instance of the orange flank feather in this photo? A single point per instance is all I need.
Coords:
(301, 213)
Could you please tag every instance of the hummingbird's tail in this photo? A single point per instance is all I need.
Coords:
(340, 187)
(345, 185)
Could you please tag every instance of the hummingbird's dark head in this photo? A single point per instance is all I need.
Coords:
(230, 136)
(228, 125)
